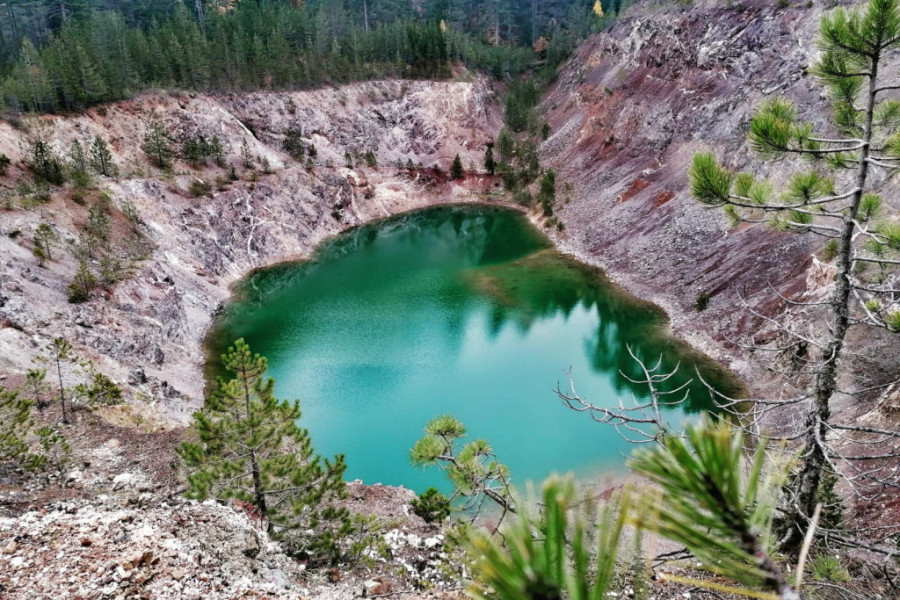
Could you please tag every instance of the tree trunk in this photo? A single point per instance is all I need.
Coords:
(814, 460)
(62, 392)
(198, 5)
(258, 491)
(12, 22)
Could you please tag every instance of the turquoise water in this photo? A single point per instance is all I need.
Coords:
(462, 310)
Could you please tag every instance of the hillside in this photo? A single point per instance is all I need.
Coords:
(146, 332)
(628, 112)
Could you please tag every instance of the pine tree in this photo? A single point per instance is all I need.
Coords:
(60, 350)
(547, 193)
(156, 144)
(473, 469)
(506, 145)
(36, 386)
(15, 420)
(44, 237)
(82, 284)
(44, 162)
(246, 156)
(854, 47)
(250, 447)
(489, 164)
(101, 157)
(456, 168)
(78, 165)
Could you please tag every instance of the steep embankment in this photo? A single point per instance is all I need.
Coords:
(146, 332)
(629, 111)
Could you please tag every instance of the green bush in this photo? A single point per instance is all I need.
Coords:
(198, 149)
(523, 197)
(4, 163)
(826, 567)
(830, 251)
(432, 506)
(45, 164)
(100, 390)
(199, 188)
(702, 301)
(82, 284)
(293, 142)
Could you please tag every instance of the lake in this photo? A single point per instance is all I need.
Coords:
(466, 310)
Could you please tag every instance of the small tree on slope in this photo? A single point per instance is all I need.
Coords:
(249, 447)
(855, 47)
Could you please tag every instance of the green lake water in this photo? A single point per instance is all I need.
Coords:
(462, 310)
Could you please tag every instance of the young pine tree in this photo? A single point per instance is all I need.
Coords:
(44, 238)
(61, 350)
(489, 164)
(250, 447)
(78, 165)
(83, 283)
(15, 421)
(37, 388)
(858, 49)
(156, 144)
(456, 168)
(101, 158)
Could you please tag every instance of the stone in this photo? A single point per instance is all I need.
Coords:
(137, 376)
(10, 548)
(375, 587)
(123, 480)
(250, 546)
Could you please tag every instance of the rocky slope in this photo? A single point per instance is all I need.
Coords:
(146, 332)
(174, 548)
(629, 111)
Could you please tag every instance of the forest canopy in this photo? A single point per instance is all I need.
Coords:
(68, 54)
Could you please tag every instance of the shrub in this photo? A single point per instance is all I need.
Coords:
(82, 284)
(828, 568)
(432, 506)
(198, 149)
(101, 390)
(830, 251)
(293, 142)
(702, 301)
(111, 270)
(371, 159)
(199, 188)
(45, 164)
(4, 163)
(523, 197)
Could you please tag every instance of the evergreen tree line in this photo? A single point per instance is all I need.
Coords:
(106, 51)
